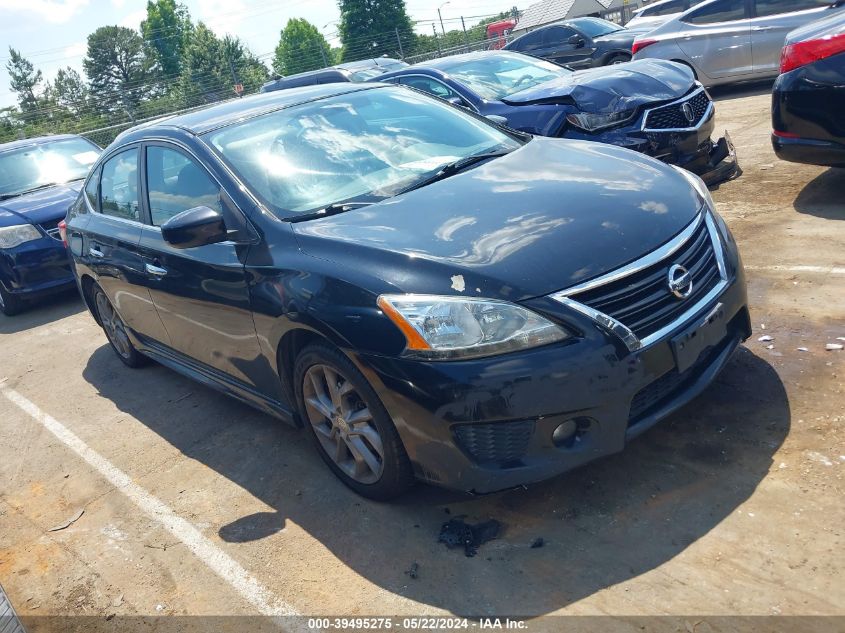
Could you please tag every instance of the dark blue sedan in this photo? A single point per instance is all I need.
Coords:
(39, 179)
(655, 107)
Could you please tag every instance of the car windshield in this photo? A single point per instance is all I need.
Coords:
(596, 27)
(497, 76)
(367, 73)
(35, 166)
(364, 145)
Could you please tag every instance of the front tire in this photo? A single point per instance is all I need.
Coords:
(349, 425)
(10, 305)
(116, 331)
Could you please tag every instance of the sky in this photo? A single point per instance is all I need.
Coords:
(52, 33)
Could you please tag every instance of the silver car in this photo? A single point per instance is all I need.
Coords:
(653, 15)
(731, 40)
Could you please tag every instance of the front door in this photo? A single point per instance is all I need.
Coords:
(201, 293)
(717, 39)
(565, 45)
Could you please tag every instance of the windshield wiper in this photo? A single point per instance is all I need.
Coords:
(450, 169)
(6, 196)
(333, 209)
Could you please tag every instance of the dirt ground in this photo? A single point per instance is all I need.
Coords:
(733, 506)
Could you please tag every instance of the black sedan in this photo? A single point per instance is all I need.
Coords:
(429, 295)
(578, 43)
(808, 99)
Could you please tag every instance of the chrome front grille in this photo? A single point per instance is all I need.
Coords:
(672, 116)
(637, 303)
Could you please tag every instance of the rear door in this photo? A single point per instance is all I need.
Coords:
(201, 293)
(110, 242)
(557, 47)
(717, 38)
(773, 20)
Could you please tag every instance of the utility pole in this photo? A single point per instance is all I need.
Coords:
(237, 85)
(441, 17)
(434, 30)
(399, 41)
(323, 55)
(466, 37)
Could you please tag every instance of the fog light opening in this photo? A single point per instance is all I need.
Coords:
(570, 433)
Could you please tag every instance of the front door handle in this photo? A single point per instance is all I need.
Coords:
(155, 270)
(762, 28)
(94, 252)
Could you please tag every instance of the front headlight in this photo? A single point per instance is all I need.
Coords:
(595, 122)
(11, 236)
(697, 184)
(441, 328)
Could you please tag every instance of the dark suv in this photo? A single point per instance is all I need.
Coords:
(430, 295)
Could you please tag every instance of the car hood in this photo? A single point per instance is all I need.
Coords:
(40, 206)
(612, 88)
(546, 216)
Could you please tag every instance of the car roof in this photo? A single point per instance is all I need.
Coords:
(374, 62)
(216, 116)
(37, 140)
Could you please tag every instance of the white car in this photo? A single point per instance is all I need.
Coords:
(654, 14)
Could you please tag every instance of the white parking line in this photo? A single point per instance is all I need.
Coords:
(827, 270)
(216, 559)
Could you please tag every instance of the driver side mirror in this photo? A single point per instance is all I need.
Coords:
(457, 101)
(195, 227)
(577, 41)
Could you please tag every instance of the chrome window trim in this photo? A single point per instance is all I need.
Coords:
(621, 331)
(707, 113)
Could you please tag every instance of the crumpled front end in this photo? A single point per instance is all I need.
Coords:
(678, 132)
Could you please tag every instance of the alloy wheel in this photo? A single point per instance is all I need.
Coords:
(114, 327)
(343, 423)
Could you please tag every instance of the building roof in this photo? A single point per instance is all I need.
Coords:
(547, 11)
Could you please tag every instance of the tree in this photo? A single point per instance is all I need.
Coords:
(166, 32)
(368, 27)
(212, 65)
(69, 91)
(117, 68)
(301, 47)
(24, 79)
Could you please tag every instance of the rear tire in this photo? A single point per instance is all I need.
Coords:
(349, 425)
(617, 58)
(116, 331)
(10, 305)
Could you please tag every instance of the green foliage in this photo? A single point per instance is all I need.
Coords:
(117, 68)
(301, 48)
(166, 33)
(368, 27)
(24, 80)
(69, 91)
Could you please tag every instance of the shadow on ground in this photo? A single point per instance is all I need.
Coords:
(738, 90)
(822, 196)
(603, 524)
(43, 311)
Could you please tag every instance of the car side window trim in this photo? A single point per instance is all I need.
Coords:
(93, 177)
(748, 12)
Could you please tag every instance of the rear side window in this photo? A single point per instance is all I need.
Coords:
(91, 190)
(119, 186)
(719, 11)
(676, 6)
(176, 183)
(774, 7)
(557, 35)
(529, 41)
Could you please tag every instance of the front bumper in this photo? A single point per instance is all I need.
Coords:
(35, 268)
(449, 413)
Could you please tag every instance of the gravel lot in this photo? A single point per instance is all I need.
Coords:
(196, 504)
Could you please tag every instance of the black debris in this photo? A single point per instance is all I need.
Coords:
(447, 511)
(538, 542)
(414, 571)
(456, 533)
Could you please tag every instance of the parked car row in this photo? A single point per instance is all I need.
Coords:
(454, 283)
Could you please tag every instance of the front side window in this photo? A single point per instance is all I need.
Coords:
(528, 42)
(558, 35)
(366, 145)
(719, 11)
(497, 76)
(119, 186)
(775, 7)
(176, 183)
(37, 166)
(429, 85)
(667, 8)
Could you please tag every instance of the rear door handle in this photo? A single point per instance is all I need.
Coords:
(762, 28)
(93, 252)
(155, 270)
